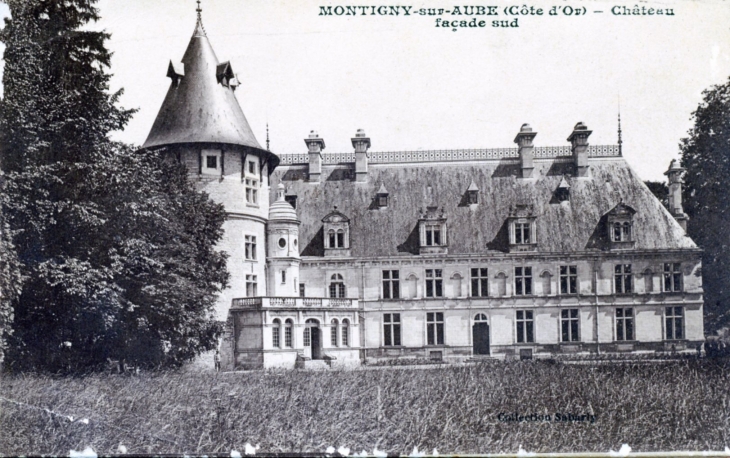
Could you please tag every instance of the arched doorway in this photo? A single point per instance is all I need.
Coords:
(312, 339)
(480, 334)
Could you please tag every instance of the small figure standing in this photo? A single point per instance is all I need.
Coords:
(217, 361)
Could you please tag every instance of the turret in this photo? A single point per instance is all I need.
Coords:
(283, 247)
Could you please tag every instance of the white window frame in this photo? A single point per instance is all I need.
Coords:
(569, 320)
(568, 278)
(670, 332)
(251, 285)
(204, 154)
(621, 324)
(526, 318)
(392, 321)
(672, 277)
(249, 247)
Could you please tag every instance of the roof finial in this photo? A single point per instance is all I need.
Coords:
(198, 9)
(267, 137)
(199, 29)
(620, 142)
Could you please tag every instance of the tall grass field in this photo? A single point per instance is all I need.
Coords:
(683, 405)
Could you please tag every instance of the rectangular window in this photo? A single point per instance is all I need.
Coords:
(433, 235)
(522, 233)
(252, 168)
(307, 337)
(569, 325)
(672, 277)
(345, 334)
(283, 276)
(391, 329)
(211, 162)
(302, 290)
(288, 335)
(252, 191)
(525, 326)
(333, 334)
(624, 324)
(622, 277)
(435, 328)
(250, 247)
(251, 285)
(391, 284)
(275, 335)
(568, 279)
(479, 282)
(523, 281)
(434, 283)
(674, 317)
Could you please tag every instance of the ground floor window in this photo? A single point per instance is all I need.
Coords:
(391, 329)
(569, 325)
(525, 326)
(345, 332)
(624, 324)
(275, 334)
(288, 325)
(674, 317)
(435, 328)
(333, 332)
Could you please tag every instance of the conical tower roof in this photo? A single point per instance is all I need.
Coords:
(200, 106)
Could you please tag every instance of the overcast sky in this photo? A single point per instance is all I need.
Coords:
(412, 86)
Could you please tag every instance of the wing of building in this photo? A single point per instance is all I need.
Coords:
(366, 256)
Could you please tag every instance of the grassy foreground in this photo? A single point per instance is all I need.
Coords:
(679, 406)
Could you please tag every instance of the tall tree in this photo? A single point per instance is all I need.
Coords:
(706, 156)
(116, 246)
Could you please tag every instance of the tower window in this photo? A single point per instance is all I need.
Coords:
(252, 182)
(282, 242)
(211, 162)
(250, 247)
(251, 285)
(435, 328)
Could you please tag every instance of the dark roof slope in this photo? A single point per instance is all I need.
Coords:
(199, 108)
(574, 225)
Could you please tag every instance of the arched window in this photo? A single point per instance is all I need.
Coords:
(337, 287)
(332, 239)
(288, 325)
(345, 332)
(480, 318)
(340, 238)
(276, 333)
(333, 332)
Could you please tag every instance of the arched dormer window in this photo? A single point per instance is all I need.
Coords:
(620, 227)
(337, 230)
(337, 286)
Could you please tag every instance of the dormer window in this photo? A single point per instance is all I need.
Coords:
(522, 229)
(381, 198)
(620, 222)
(472, 194)
(336, 228)
(433, 231)
(211, 162)
(563, 191)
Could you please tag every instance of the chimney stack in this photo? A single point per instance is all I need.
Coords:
(361, 143)
(526, 149)
(579, 141)
(315, 145)
(674, 175)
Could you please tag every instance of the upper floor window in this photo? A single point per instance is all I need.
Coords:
(523, 281)
(337, 286)
(569, 325)
(435, 328)
(623, 278)
(211, 162)
(525, 326)
(674, 323)
(434, 283)
(472, 194)
(250, 247)
(252, 180)
(302, 290)
(283, 276)
(391, 329)
(624, 323)
(672, 277)
(391, 284)
(568, 279)
(479, 282)
(251, 285)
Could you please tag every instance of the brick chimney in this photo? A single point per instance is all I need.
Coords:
(526, 149)
(579, 141)
(361, 143)
(674, 175)
(315, 145)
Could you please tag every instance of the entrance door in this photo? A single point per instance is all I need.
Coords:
(312, 339)
(480, 335)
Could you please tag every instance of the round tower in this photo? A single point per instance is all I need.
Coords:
(201, 125)
(282, 248)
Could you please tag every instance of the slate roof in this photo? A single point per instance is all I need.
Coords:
(576, 225)
(198, 108)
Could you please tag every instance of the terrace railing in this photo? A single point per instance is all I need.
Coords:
(389, 157)
(293, 302)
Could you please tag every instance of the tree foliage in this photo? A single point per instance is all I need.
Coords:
(706, 156)
(116, 246)
(660, 191)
